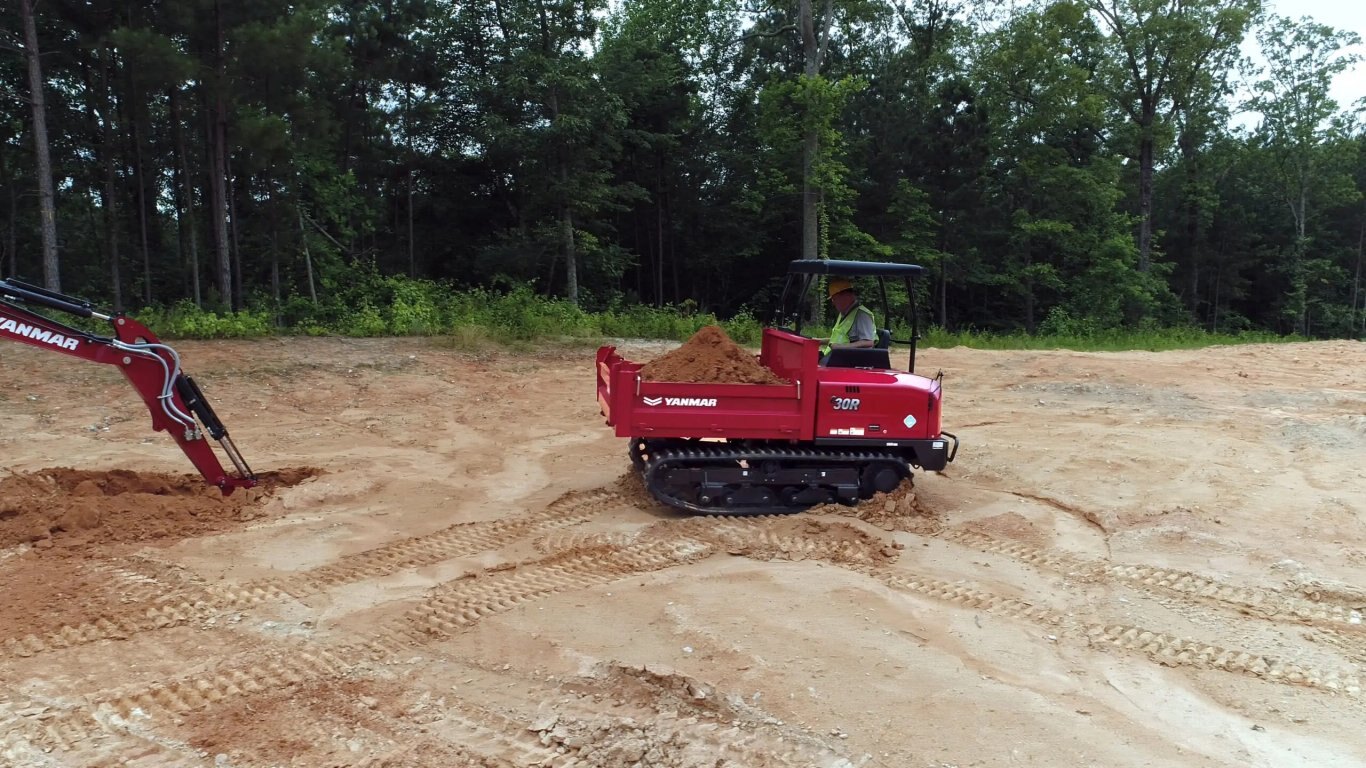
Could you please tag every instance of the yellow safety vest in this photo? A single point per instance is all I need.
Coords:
(840, 333)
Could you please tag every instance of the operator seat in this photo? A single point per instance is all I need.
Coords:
(866, 357)
(877, 356)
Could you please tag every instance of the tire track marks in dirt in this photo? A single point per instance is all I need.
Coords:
(196, 604)
(790, 538)
(459, 540)
(1167, 650)
(1173, 651)
(32, 734)
(586, 561)
(458, 604)
(108, 722)
(1267, 603)
(444, 610)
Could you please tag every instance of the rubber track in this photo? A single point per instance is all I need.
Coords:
(200, 604)
(667, 457)
(1268, 603)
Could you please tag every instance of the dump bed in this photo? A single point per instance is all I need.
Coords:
(636, 407)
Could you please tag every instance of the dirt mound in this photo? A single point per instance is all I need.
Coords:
(803, 538)
(898, 510)
(709, 357)
(71, 507)
(632, 488)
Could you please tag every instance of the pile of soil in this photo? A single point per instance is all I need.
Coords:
(898, 510)
(709, 357)
(72, 507)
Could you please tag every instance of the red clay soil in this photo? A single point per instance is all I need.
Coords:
(70, 507)
(898, 510)
(709, 357)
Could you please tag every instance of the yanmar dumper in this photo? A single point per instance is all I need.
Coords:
(845, 426)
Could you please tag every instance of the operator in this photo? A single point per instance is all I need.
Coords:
(854, 329)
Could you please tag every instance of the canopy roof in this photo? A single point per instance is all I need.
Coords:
(852, 268)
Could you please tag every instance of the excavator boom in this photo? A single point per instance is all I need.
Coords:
(174, 400)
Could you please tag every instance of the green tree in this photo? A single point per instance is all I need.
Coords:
(1162, 53)
(1305, 137)
(43, 164)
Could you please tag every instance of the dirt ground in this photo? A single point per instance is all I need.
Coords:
(1138, 559)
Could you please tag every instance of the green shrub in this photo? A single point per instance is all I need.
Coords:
(365, 303)
(185, 320)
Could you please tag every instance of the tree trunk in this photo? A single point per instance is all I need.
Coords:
(275, 292)
(1299, 292)
(104, 129)
(566, 212)
(810, 220)
(408, 129)
(218, 130)
(944, 277)
(1146, 144)
(1188, 142)
(234, 228)
(813, 51)
(11, 239)
(412, 246)
(184, 193)
(47, 204)
(308, 259)
(673, 265)
(1214, 314)
(659, 243)
(570, 260)
(140, 181)
(11, 243)
(1356, 280)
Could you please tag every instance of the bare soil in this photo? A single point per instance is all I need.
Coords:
(1138, 559)
(709, 357)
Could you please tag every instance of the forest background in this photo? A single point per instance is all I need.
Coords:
(1082, 167)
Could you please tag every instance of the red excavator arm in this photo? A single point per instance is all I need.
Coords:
(153, 369)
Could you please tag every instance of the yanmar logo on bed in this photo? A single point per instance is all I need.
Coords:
(681, 402)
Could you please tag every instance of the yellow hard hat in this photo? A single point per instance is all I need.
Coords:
(839, 285)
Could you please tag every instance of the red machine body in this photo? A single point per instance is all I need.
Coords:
(831, 434)
(172, 398)
(823, 405)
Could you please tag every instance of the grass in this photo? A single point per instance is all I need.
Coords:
(1156, 340)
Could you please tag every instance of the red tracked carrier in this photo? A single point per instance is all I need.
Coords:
(831, 434)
